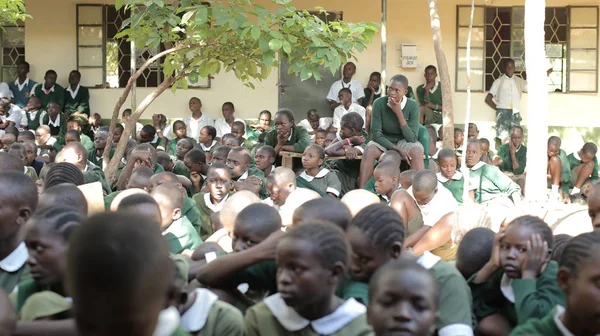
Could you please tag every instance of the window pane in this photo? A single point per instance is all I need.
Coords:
(90, 56)
(476, 80)
(476, 37)
(584, 17)
(92, 77)
(582, 81)
(583, 59)
(8, 73)
(476, 58)
(13, 36)
(90, 15)
(464, 16)
(583, 38)
(518, 15)
(90, 36)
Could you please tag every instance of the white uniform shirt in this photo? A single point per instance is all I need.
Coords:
(339, 112)
(507, 92)
(223, 127)
(194, 126)
(358, 91)
(440, 205)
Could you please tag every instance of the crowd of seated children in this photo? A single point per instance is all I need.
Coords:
(314, 176)
(512, 157)
(314, 123)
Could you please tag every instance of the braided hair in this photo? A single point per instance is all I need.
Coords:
(381, 224)
(328, 240)
(536, 225)
(63, 172)
(579, 250)
(62, 219)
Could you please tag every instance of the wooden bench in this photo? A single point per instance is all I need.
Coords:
(287, 158)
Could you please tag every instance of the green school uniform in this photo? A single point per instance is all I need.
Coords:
(109, 198)
(370, 185)
(34, 121)
(206, 209)
(253, 171)
(14, 268)
(385, 127)
(97, 160)
(57, 131)
(454, 184)
(299, 139)
(81, 101)
(574, 161)
(367, 97)
(181, 236)
(547, 326)
(191, 212)
(180, 332)
(180, 169)
(302, 183)
(87, 142)
(273, 317)
(172, 145)
(56, 93)
(435, 97)
(347, 171)
(30, 171)
(565, 174)
(94, 173)
(208, 316)
(21, 96)
(532, 298)
(489, 183)
(506, 165)
(357, 290)
(253, 134)
(325, 181)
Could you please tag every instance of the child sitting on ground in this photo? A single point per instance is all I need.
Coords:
(245, 176)
(346, 106)
(163, 159)
(207, 141)
(180, 132)
(314, 177)
(230, 140)
(176, 228)
(512, 157)
(448, 176)
(390, 155)
(402, 284)
(195, 161)
(351, 146)
(459, 138)
(34, 113)
(220, 154)
(584, 168)
(19, 151)
(519, 280)
(183, 147)
(331, 136)
(280, 183)
(487, 154)
(218, 182)
(148, 135)
(559, 171)
(474, 251)
(327, 209)
(286, 136)
(473, 132)
(264, 159)
(305, 245)
(95, 155)
(387, 176)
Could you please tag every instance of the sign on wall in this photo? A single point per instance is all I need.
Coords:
(409, 56)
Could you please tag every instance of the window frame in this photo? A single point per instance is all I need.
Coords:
(569, 49)
(457, 48)
(19, 24)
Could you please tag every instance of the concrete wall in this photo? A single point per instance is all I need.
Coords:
(51, 42)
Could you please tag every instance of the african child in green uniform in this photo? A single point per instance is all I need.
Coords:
(264, 158)
(138, 180)
(475, 248)
(372, 92)
(402, 288)
(287, 136)
(218, 182)
(320, 179)
(351, 146)
(124, 307)
(56, 122)
(76, 154)
(280, 183)
(387, 180)
(256, 133)
(307, 292)
(73, 124)
(183, 147)
(19, 197)
(238, 129)
(176, 228)
(243, 175)
(47, 239)
(148, 135)
(77, 98)
(459, 138)
(207, 141)
(559, 171)
(519, 280)
(34, 113)
(22, 86)
(50, 91)
(512, 157)
(376, 236)
(430, 98)
(448, 176)
(180, 131)
(195, 161)
(394, 125)
(387, 155)
(95, 155)
(492, 188)
(584, 168)
(577, 278)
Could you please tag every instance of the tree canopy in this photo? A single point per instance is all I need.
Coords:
(12, 11)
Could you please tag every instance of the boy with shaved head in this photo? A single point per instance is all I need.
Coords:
(76, 154)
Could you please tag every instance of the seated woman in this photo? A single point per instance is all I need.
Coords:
(394, 125)
(287, 136)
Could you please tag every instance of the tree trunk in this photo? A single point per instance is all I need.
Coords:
(111, 169)
(537, 102)
(447, 112)
(466, 197)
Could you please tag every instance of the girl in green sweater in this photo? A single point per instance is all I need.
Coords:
(578, 278)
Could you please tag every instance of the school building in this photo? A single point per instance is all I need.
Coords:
(78, 34)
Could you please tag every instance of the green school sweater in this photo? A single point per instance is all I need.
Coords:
(181, 236)
(370, 185)
(57, 94)
(191, 212)
(300, 139)
(435, 97)
(21, 97)
(172, 145)
(325, 181)
(94, 173)
(204, 214)
(385, 127)
(350, 288)
(97, 160)
(565, 173)
(489, 182)
(59, 131)
(533, 298)
(34, 122)
(506, 165)
(10, 280)
(223, 319)
(574, 162)
(544, 326)
(367, 91)
(180, 169)
(302, 183)
(253, 171)
(87, 142)
(456, 187)
(81, 101)
(109, 198)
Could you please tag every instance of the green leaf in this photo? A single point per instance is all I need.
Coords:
(186, 17)
(275, 44)
(255, 33)
(119, 4)
(287, 47)
(201, 15)
(193, 77)
(293, 39)
(276, 35)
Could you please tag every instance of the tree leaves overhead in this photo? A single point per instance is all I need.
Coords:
(242, 37)
(12, 12)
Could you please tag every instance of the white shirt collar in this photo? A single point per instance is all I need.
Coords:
(44, 88)
(25, 170)
(168, 321)
(506, 288)
(320, 174)
(55, 123)
(22, 85)
(560, 311)
(403, 102)
(576, 155)
(428, 260)
(506, 77)
(206, 149)
(291, 133)
(195, 317)
(327, 325)
(457, 176)
(73, 93)
(215, 207)
(16, 259)
(477, 165)
(243, 176)
(435, 87)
